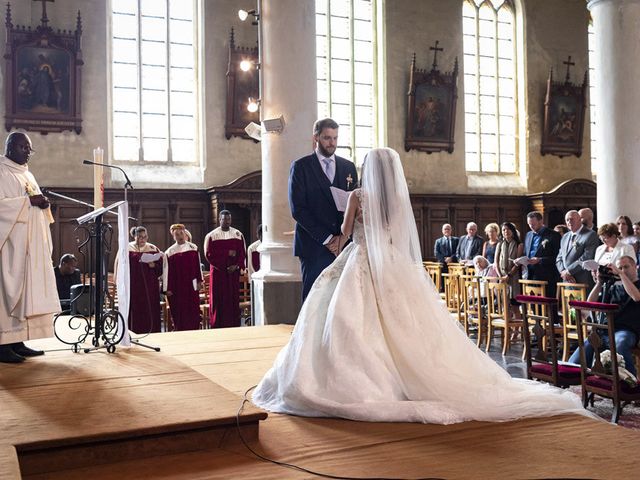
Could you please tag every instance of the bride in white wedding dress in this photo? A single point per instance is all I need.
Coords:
(374, 341)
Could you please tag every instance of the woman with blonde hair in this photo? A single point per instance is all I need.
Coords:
(492, 231)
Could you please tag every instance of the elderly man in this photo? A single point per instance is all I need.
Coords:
(445, 247)
(28, 294)
(625, 293)
(181, 280)
(470, 245)
(576, 246)
(586, 218)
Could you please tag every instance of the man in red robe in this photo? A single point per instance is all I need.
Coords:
(181, 279)
(225, 250)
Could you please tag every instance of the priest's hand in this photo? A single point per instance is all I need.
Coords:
(39, 201)
(232, 268)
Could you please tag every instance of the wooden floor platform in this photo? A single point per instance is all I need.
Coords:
(69, 410)
(235, 359)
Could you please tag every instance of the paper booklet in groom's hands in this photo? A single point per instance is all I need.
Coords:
(340, 198)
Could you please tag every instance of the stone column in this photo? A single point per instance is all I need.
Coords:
(288, 71)
(617, 35)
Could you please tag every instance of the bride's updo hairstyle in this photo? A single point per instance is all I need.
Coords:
(387, 209)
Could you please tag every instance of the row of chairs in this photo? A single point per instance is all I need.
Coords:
(594, 378)
(484, 305)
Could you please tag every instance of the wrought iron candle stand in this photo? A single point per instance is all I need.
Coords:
(104, 323)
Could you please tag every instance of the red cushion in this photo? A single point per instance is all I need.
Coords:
(536, 299)
(593, 305)
(563, 370)
(606, 384)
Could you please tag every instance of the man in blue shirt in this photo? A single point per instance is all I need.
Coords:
(542, 245)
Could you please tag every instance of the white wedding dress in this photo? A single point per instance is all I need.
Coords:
(374, 342)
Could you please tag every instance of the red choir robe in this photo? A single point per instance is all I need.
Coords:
(253, 258)
(144, 303)
(181, 273)
(224, 249)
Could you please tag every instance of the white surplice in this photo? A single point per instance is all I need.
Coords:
(28, 294)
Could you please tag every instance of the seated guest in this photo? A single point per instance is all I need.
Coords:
(561, 229)
(612, 247)
(445, 246)
(67, 275)
(578, 245)
(253, 255)
(489, 247)
(470, 245)
(627, 320)
(483, 267)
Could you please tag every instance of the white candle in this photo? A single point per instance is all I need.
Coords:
(98, 179)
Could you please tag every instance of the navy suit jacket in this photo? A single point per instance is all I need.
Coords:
(547, 252)
(441, 248)
(312, 205)
(476, 247)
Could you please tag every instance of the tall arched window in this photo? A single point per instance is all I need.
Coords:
(346, 64)
(490, 85)
(154, 81)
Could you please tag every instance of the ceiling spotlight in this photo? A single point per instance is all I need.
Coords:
(253, 105)
(244, 14)
(245, 65)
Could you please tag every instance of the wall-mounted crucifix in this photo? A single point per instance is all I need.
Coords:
(569, 64)
(44, 18)
(435, 50)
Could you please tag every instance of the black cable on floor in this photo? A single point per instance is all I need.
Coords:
(297, 467)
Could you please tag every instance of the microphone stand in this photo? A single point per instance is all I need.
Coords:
(127, 186)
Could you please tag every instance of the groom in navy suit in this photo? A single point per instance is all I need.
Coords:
(317, 236)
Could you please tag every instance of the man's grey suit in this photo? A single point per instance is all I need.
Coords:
(575, 248)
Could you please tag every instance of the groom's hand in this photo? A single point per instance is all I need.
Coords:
(334, 245)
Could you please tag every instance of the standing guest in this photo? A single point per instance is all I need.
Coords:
(507, 250)
(470, 245)
(561, 229)
(586, 218)
(28, 295)
(224, 249)
(253, 255)
(445, 247)
(626, 232)
(317, 234)
(181, 280)
(578, 245)
(542, 245)
(612, 248)
(489, 247)
(144, 306)
(67, 275)
(636, 229)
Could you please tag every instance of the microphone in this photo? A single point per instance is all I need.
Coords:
(128, 182)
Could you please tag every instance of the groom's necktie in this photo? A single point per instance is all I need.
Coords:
(328, 168)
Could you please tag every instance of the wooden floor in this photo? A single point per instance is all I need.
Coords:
(236, 359)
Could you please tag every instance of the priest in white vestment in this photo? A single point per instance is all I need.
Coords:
(28, 294)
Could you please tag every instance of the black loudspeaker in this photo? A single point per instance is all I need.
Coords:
(81, 300)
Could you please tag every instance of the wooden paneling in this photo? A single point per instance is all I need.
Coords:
(199, 209)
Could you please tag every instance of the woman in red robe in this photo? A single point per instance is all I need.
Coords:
(144, 308)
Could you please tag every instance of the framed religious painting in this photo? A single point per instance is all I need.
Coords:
(563, 123)
(431, 110)
(242, 87)
(43, 76)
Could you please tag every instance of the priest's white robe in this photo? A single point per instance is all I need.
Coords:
(28, 294)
